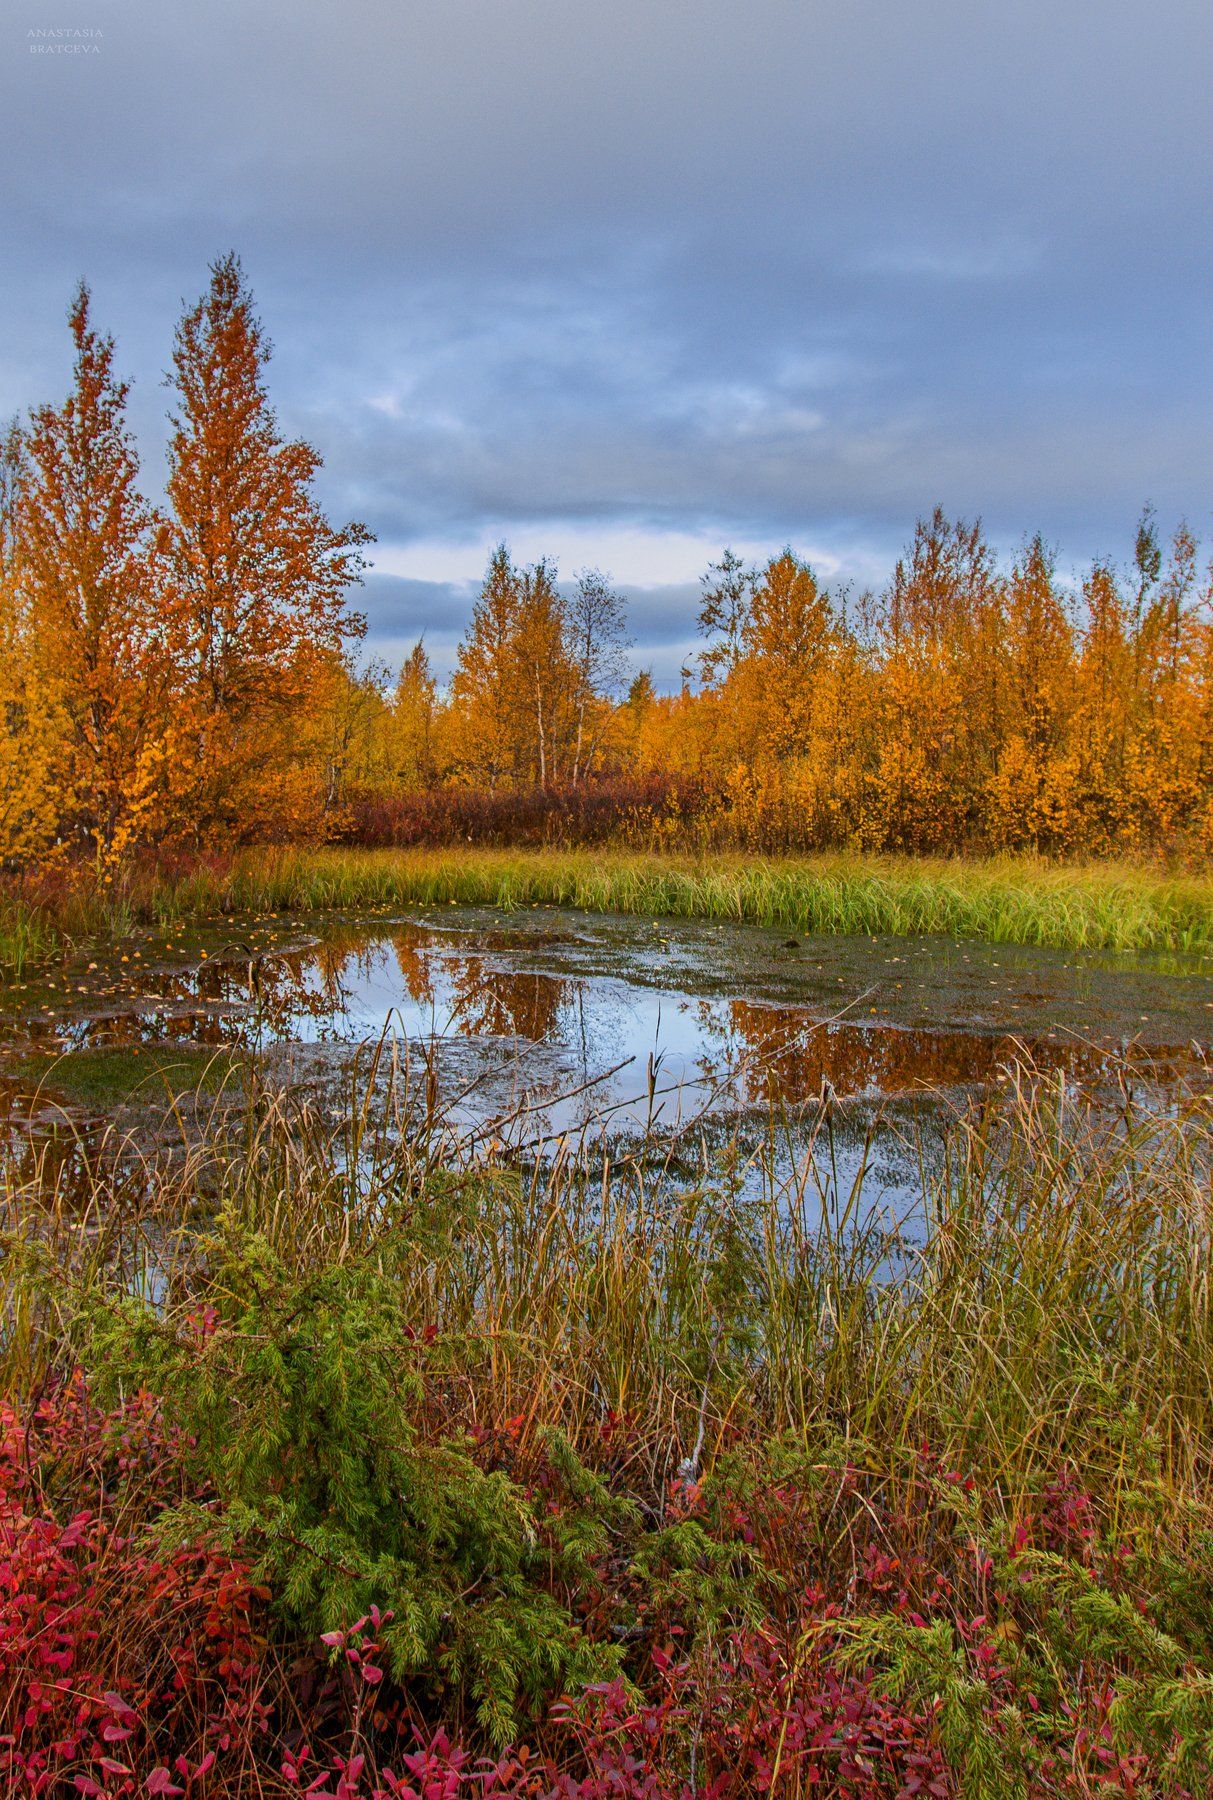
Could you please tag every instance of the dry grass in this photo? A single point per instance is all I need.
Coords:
(1052, 1298)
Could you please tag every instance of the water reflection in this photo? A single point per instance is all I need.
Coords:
(797, 1055)
(583, 1020)
(46, 1147)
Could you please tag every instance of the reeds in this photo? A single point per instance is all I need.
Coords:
(1047, 1297)
(27, 937)
(1004, 900)
(1014, 900)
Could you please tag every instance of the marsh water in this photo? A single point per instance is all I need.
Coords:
(540, 1024)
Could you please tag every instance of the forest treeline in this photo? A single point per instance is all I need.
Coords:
(969, 705)
(189, 672)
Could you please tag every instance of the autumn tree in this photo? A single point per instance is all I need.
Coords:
(345, 719)
(548, 678)
(972, 702)
(192, 673)
(516, 685)
(936, 671)
(1033, 788)
(484, 690)
(90, 576)
(12, 463)
(1102, 719)
(259, 575)
(1172, 673)
(596, 628)
(788, 641)
(412, 720)
(32, 791)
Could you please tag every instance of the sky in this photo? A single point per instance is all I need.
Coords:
(624, 282)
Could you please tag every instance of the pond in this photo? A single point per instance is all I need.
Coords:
(533, 1026)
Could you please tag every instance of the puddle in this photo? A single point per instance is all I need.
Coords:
(571, 995)
(573, 1020)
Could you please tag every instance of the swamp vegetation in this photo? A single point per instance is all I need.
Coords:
(352, 1447)
(1008, 899)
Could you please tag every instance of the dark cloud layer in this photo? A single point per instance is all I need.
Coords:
(652, 274)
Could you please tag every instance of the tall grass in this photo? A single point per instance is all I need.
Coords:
(1012, 900)
(1005, 900)
(1049, 1292)
(27, 937)
(556, 1416)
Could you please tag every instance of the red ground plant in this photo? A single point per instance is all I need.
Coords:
(129, 1668)
(126, 1669)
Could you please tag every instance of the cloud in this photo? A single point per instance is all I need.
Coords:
(628, 282)
(996, 259)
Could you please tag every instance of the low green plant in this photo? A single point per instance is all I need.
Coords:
(108, 1075)
(302, 1396)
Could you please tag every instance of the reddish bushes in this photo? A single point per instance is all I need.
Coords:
(736, 1720)
(125, 1669)
(128, 1668)
(592, 814)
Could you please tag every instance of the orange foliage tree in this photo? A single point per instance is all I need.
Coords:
(969, 706)
(188, 672)
(89, 570)
(177, 673)
(532, 695)
(256, 601)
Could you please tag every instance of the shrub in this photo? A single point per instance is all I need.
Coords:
(299, 1398)
(595, 813)
(127, 1668)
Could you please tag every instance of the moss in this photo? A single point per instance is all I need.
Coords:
(140, 1073)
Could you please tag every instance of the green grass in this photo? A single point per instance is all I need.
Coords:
(1005, 900)
(1011, 900)
(106, 1077)
(27, 937)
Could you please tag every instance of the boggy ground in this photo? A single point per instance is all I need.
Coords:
(330, 1464)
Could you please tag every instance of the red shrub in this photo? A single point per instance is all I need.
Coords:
(124, 1671)
(128, 1669)
(591, 814)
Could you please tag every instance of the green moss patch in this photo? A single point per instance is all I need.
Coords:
(140, 1073)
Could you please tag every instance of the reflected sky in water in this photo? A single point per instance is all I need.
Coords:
(542, 1002)
(546, 1023)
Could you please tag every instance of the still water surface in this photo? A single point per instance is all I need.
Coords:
(545, 1022)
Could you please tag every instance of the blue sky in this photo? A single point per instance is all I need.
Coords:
(623, 283)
